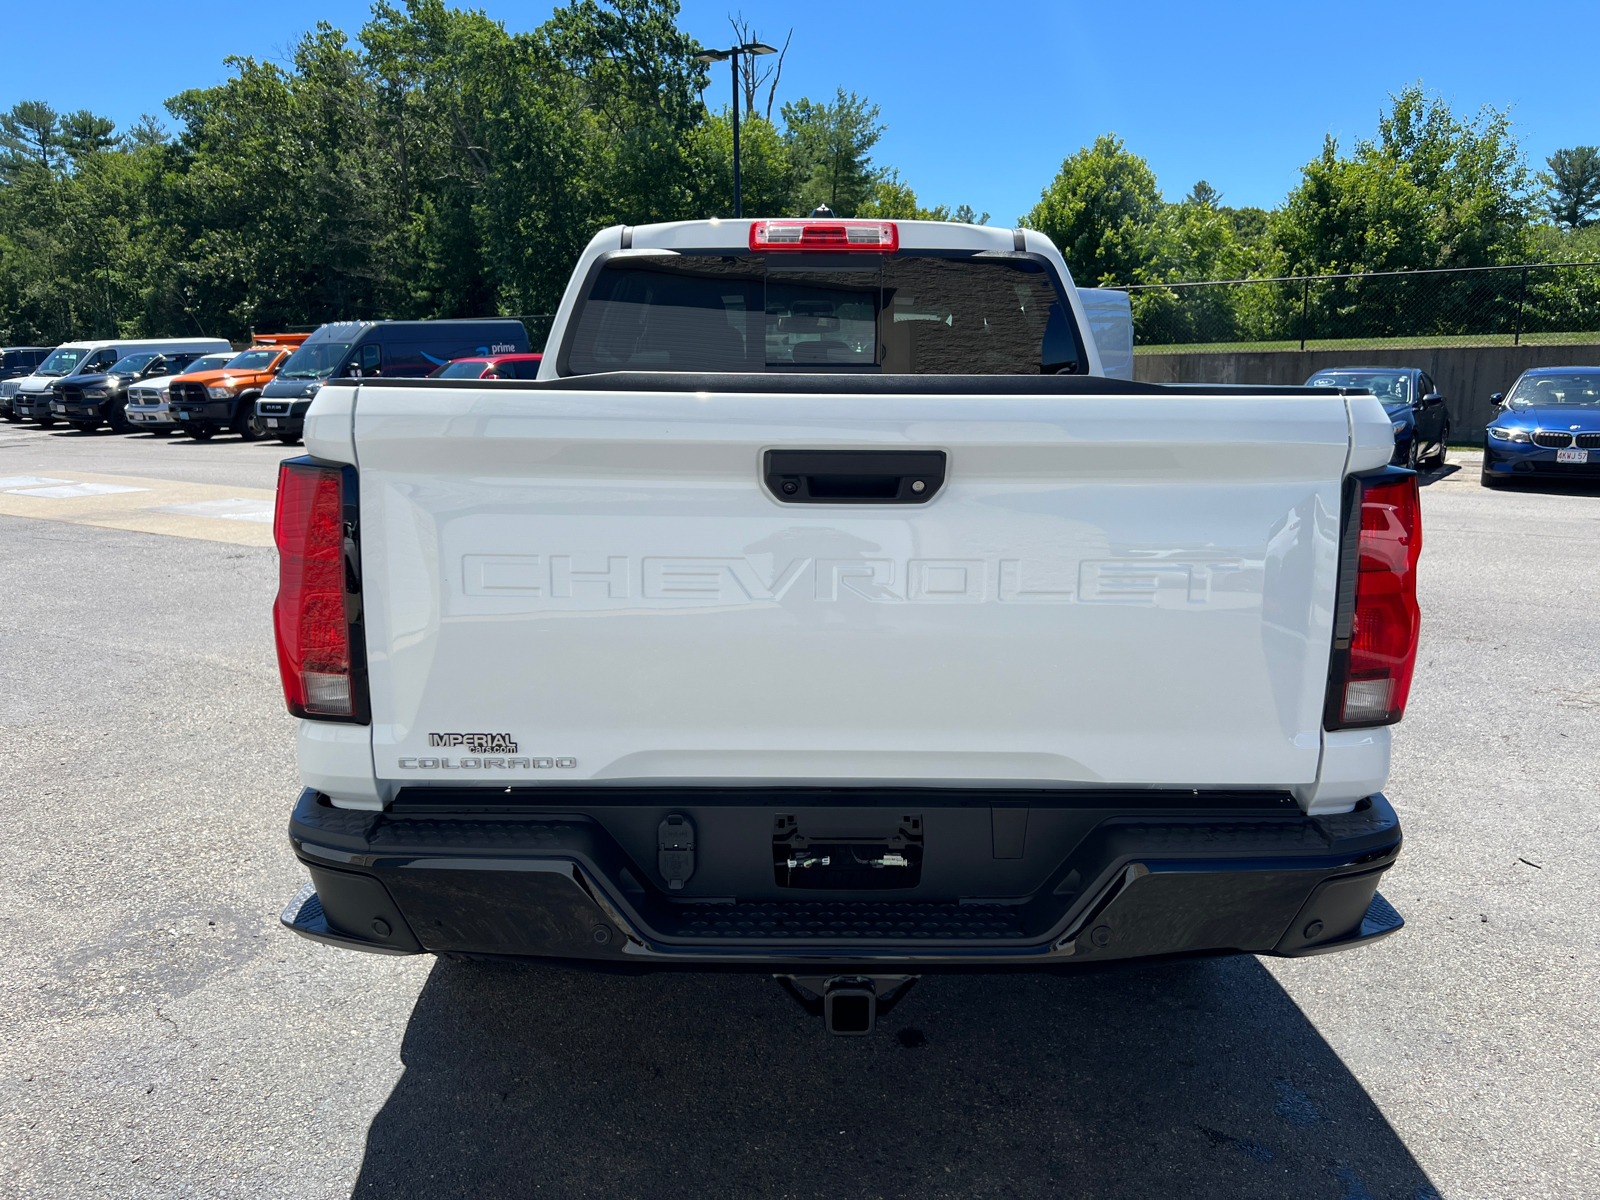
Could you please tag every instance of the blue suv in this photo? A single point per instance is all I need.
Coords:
(1548, 427)
(1412, 400)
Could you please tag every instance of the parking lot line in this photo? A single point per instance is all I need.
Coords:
(242, 516)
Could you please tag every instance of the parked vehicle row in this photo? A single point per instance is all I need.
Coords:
(203, 387)
(147, 403)
(207, 403)
(96, 374)
(1548, 425)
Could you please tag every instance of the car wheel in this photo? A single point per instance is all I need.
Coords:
(1411, 455)
(83, 426)
(1437, 457)
(160, 433)
(46, 422)
(13, 418)
(200, 433)
(245, 423)
(1484, 477)
(288, 439)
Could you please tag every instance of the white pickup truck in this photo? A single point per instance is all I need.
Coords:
(824, 609)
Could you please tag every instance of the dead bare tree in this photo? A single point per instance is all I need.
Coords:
(752, 74)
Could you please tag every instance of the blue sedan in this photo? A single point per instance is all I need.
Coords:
(1412, 400)
(1548, 427)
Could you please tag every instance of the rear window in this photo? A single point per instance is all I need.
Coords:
(901, 314)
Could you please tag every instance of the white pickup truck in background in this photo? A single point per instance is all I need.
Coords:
(827, 609)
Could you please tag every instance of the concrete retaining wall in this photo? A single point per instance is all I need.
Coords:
(1467, 375)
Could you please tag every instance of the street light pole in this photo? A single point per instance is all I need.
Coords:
(732, 56)
(737, 191)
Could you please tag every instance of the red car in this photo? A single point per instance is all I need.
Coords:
(490, 366)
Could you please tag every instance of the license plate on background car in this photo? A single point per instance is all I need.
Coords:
(272, 422)
(1572, 456)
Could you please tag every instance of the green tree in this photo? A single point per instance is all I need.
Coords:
(768, 180)
(1432, 190)
(1361, 213)
(831, 145)
(82, 133)
(1572, 186)
(29, 135)
(1101, 211)
(1471, 170)
(894, 199)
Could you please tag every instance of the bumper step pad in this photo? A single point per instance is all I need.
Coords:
(304, 915)
(874, 921)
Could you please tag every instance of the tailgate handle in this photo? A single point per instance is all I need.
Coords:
(854, 476)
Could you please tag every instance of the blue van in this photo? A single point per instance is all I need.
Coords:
(375, 349)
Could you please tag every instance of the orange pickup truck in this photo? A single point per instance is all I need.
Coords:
(214, 402)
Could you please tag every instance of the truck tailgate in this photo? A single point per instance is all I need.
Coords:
(569, 585)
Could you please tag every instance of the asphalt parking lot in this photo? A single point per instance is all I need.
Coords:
(163, 1036)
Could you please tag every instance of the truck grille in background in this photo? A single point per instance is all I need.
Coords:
(1548, 438)
(272, 409)
(72, 395)
(1589, 441)
(192, 393)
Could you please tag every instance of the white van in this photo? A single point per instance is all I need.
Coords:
(31, 402)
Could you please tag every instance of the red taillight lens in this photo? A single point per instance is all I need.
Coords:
(1383, 629)
(882, 236)
(309, 616)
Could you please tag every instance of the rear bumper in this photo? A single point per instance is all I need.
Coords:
(1096, 884)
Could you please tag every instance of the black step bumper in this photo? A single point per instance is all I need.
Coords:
(1090, 879)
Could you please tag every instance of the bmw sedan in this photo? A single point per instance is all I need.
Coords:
(1412, 400)
(1548, 427)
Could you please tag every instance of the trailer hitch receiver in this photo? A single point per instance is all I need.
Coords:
(848, 1004)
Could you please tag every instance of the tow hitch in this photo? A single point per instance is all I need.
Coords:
(848, 1004)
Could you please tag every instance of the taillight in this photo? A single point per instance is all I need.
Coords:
(883, 236)
(1377, 621)
(312, 616)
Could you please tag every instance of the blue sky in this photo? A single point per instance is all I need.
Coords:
(981, 103)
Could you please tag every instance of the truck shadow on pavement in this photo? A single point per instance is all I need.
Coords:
(1197, 1078)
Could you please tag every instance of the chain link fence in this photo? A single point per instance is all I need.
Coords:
(1526, 304)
